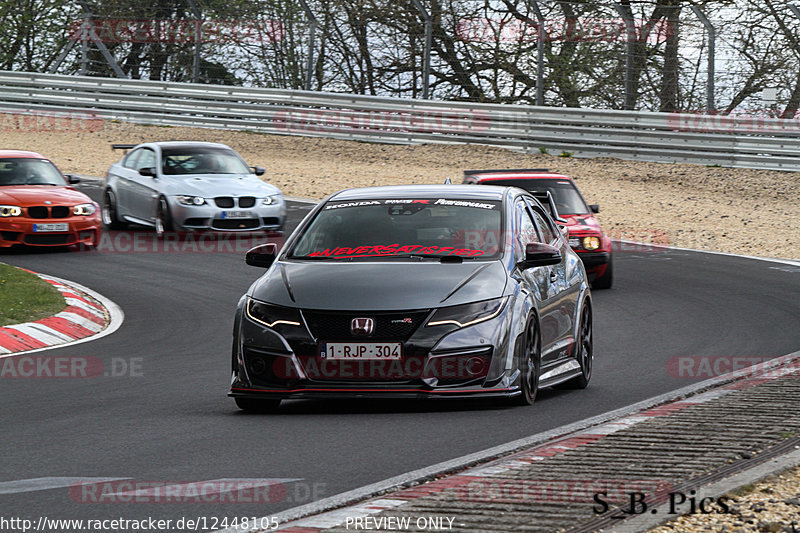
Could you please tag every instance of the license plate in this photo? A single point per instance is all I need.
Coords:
(363, 351)
(236, 214)
(61, 226)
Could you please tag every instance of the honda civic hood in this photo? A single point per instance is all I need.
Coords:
(356, 286)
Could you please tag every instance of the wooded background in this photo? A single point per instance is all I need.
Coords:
(482, 51)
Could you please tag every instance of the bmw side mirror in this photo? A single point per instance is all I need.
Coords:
(538, 254)
(564, 230)
(72, 179)
(262, 256)
(258, 171)
(147, 171)
(595, 208)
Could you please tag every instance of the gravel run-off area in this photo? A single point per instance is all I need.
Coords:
(744, 211)
(770, 506)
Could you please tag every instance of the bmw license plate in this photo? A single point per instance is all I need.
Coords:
(236, 214)
(364, 351)
(60, 226)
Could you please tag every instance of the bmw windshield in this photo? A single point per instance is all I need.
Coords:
(29, 171)
(396, 228)
(202, 160)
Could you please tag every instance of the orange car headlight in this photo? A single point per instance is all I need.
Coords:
(84, 209)
(10, 211)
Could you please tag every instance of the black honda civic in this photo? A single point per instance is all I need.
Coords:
(415, 291)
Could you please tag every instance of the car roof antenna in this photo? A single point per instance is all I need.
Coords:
(447, 181)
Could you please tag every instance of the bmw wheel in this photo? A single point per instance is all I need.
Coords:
(108, 211)
(163, 222)
(530, 364)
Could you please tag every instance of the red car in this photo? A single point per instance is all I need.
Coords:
(586, 236)
(39, 206)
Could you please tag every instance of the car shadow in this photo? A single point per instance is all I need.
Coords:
(392, 406)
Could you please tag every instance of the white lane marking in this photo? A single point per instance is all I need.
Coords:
(660, 246)
(47, 483)
(211, 486)
(335, 518)
(41, 333)
(86, 307)
(81, 321)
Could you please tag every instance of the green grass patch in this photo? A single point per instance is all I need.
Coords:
(25, 297)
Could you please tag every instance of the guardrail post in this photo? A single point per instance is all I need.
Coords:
(540, 37)
(426, 54)
(712, 37)
(198, 16)
(312, 32)
(630, 42)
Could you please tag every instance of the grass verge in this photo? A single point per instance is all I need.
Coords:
(25, 297)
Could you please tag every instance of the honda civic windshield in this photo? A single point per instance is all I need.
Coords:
(396, 228)
(28, 171)
(202, 160)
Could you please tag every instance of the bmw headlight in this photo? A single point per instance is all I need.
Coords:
(468, 314)
(270, 200)
(191, 200)
(84, 209)
(591, 243)
(272, 315)
(10, 211)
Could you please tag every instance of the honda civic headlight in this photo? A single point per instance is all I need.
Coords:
(84, 209)
(591, 243)
(270, 200)
(272, 315)
(191, 200)
(470, 314)
(10, 211)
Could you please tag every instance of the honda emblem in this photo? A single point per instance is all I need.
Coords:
(362, 327)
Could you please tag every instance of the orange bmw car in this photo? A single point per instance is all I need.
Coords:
(39, 206)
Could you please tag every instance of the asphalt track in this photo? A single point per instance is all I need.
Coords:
(172, 422)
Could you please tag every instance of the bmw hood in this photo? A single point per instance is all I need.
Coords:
(25, 195)
(379, 286)
(210, 185)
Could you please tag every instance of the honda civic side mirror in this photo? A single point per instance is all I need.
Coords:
(262, 256)
(538, 254)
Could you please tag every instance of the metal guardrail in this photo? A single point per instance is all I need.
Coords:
(663, 137)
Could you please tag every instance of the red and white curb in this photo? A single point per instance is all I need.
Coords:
(711, 390)
(88, 316)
